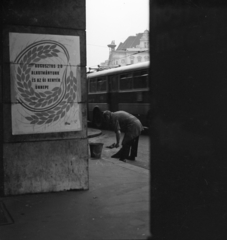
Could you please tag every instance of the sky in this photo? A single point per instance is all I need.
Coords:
(108, 20)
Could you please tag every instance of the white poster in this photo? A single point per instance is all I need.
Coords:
(45, 83)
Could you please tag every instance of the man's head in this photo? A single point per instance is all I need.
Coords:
(106, 115)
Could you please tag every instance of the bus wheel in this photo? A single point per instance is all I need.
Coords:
(97, 118)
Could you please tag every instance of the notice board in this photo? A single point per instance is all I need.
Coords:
(45, 83)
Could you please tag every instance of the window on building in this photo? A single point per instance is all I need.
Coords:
(146, 58)
(139, 58)
(140, 79)
(131, 61)
(101, 84)
(126, 81)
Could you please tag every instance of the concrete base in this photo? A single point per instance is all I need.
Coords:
(50, 166)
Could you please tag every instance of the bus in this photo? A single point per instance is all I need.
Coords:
(123, 88)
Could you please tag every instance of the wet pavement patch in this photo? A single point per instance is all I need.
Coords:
(5, 217)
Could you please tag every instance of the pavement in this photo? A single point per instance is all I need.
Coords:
(116, 206)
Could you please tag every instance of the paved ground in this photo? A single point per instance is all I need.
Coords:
(108, 137)
(116, 206)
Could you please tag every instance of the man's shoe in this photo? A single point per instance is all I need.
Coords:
(131, 158)
(122, 159)
(118, 154)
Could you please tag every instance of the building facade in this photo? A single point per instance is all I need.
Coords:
(133, 50)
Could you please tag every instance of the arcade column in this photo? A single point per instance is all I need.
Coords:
(43, 97)
(188, 123)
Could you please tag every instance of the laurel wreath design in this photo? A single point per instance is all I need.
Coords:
(48, 106)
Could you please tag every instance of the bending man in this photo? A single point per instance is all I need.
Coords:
(131, 126)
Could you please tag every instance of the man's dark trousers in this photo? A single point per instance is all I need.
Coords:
(130, 147)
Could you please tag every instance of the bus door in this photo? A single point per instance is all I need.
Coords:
(113, 93)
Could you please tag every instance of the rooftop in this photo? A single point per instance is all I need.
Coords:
(130, 42)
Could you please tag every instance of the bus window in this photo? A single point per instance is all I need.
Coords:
(140, 79)
(126, 81)
(113, 83)
(101, 84)
(93, 85)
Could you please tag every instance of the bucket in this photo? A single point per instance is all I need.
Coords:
(96, 150)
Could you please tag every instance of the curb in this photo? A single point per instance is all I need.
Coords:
(93, 132)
